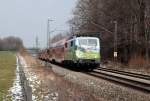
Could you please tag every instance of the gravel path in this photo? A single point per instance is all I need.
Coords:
(102, 88)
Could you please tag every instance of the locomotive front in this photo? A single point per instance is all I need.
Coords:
(87, 50)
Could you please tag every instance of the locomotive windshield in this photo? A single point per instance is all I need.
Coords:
(88, 42)
(83, 41)
(92, 42)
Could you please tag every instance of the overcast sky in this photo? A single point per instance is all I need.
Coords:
(28, 18)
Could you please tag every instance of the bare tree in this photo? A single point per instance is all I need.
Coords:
(11, 43)
(98, 15)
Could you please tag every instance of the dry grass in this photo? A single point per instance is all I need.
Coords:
(138, 60)
(136, 64)
(140, 64)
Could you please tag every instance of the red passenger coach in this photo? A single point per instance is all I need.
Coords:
(57, 51)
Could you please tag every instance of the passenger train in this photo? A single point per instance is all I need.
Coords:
(77, 51)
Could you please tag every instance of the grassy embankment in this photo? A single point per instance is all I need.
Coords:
(7, 71)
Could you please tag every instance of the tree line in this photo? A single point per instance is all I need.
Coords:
(10, 43)
(128, 19)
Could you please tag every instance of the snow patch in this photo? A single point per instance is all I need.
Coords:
(35, 82)
(16, 91)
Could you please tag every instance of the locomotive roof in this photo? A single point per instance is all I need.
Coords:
(63, 41)
(88, 34)
(59, 43)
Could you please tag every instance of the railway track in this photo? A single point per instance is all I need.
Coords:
(142, 76)
(134, 80)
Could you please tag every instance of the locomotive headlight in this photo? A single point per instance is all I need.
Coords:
(79, 54)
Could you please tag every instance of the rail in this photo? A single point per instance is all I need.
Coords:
(134, 80)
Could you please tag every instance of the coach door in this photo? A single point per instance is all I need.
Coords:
(72, 50)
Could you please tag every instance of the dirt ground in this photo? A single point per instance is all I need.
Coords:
(130, 68)
(48, 86)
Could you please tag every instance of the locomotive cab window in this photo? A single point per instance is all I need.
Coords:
(92, 42)
(71, 44)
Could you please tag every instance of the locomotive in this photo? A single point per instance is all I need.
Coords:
(77, 51)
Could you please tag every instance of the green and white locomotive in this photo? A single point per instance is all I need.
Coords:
(83, 51)
(78, 51)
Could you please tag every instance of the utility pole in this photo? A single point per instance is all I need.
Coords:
(72, 31)
(147, 35)
(115, 41)
(37, 44)
(48, 32)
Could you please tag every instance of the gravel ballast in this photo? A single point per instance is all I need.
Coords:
(102, 88)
